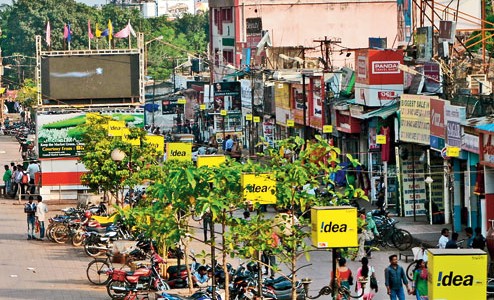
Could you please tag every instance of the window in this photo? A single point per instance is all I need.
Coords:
(226, 14)
(228, 56)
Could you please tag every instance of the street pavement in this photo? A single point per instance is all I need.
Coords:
(45, 270)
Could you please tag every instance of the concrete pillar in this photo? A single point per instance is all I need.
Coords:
(457, 194)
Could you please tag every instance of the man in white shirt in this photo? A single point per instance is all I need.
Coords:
(33, 168)
(443, 240)
(41, 210)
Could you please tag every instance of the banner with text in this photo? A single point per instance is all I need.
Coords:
(58, 135)
(415, 119)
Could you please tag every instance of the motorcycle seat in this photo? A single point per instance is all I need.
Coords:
(283, 285)
(101, 230)
(275, 280)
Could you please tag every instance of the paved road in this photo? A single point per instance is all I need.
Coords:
(39, 270)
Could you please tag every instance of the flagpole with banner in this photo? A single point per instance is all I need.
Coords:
(90, 35)
(98, 35)
(48, 35)
(110, 34)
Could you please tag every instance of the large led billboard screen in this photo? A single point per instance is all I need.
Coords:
(103, 78)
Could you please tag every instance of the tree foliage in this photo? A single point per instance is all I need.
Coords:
(187, 191)
(107, 175)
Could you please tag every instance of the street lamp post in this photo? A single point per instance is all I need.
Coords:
(146, 70)
(429, 182)
(118, 156)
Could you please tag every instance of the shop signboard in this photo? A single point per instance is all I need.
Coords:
(470, 142)
(259, 188)
(334, 227)
(454, 116)
(379, 67)
(487, 149)
(58, 135)
(438, 128)
(457, 274)
(157, 141)
(415, 119)
(227, 96)
(413, 195)
(179, 151)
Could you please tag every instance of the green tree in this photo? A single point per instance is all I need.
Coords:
(105, 174)
(28, 94)
(295, 176)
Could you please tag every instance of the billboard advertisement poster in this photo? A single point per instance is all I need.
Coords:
(423, 40)
(317, 96)
(413, 195)
(179, 151)
(437, 118)
(90, 77)
(415, 119)
(457, 274)
(259, 188)
(227, 96)
(58, 135)
(454, 115)
(334, 227)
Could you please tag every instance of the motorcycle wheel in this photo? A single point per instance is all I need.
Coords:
(60, 234)
(78, 238)
(96, 272)
(402, 239)
(93, 249)
(48, 232)
(116, 294)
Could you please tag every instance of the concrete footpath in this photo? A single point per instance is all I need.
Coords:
(39, 269)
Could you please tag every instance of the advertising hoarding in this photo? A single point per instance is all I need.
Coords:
(58, 135)
(334, 227)
(90, 77)
(227, 96)
(259, 188)
(415, 119)
(457, 274)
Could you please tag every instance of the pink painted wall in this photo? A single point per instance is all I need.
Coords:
(300, 23)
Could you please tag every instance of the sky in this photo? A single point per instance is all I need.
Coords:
(88, 2)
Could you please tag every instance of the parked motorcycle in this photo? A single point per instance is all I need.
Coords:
(129, 284)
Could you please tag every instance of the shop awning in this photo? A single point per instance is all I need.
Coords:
(382, 112)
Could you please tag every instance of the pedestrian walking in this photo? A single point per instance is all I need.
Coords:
(395, 278)
(364, 274)
(32, 169)
(41, 210)
(30, 210)
(7, 179)
(419, 284)
(444, 239)
(344, 278)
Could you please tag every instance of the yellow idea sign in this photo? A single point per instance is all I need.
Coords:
(157, 141)
(457, 273)
(334, 226)
(210, 160)
(115, 128)
(125, 137)
(179, 151)
(259, 188)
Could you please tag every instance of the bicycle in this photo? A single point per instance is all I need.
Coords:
(390, 236)
(97, 269)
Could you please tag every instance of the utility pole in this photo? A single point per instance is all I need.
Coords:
(326, 47)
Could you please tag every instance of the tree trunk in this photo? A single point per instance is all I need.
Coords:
(186, 259)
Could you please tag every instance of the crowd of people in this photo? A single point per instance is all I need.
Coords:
(20, 180)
